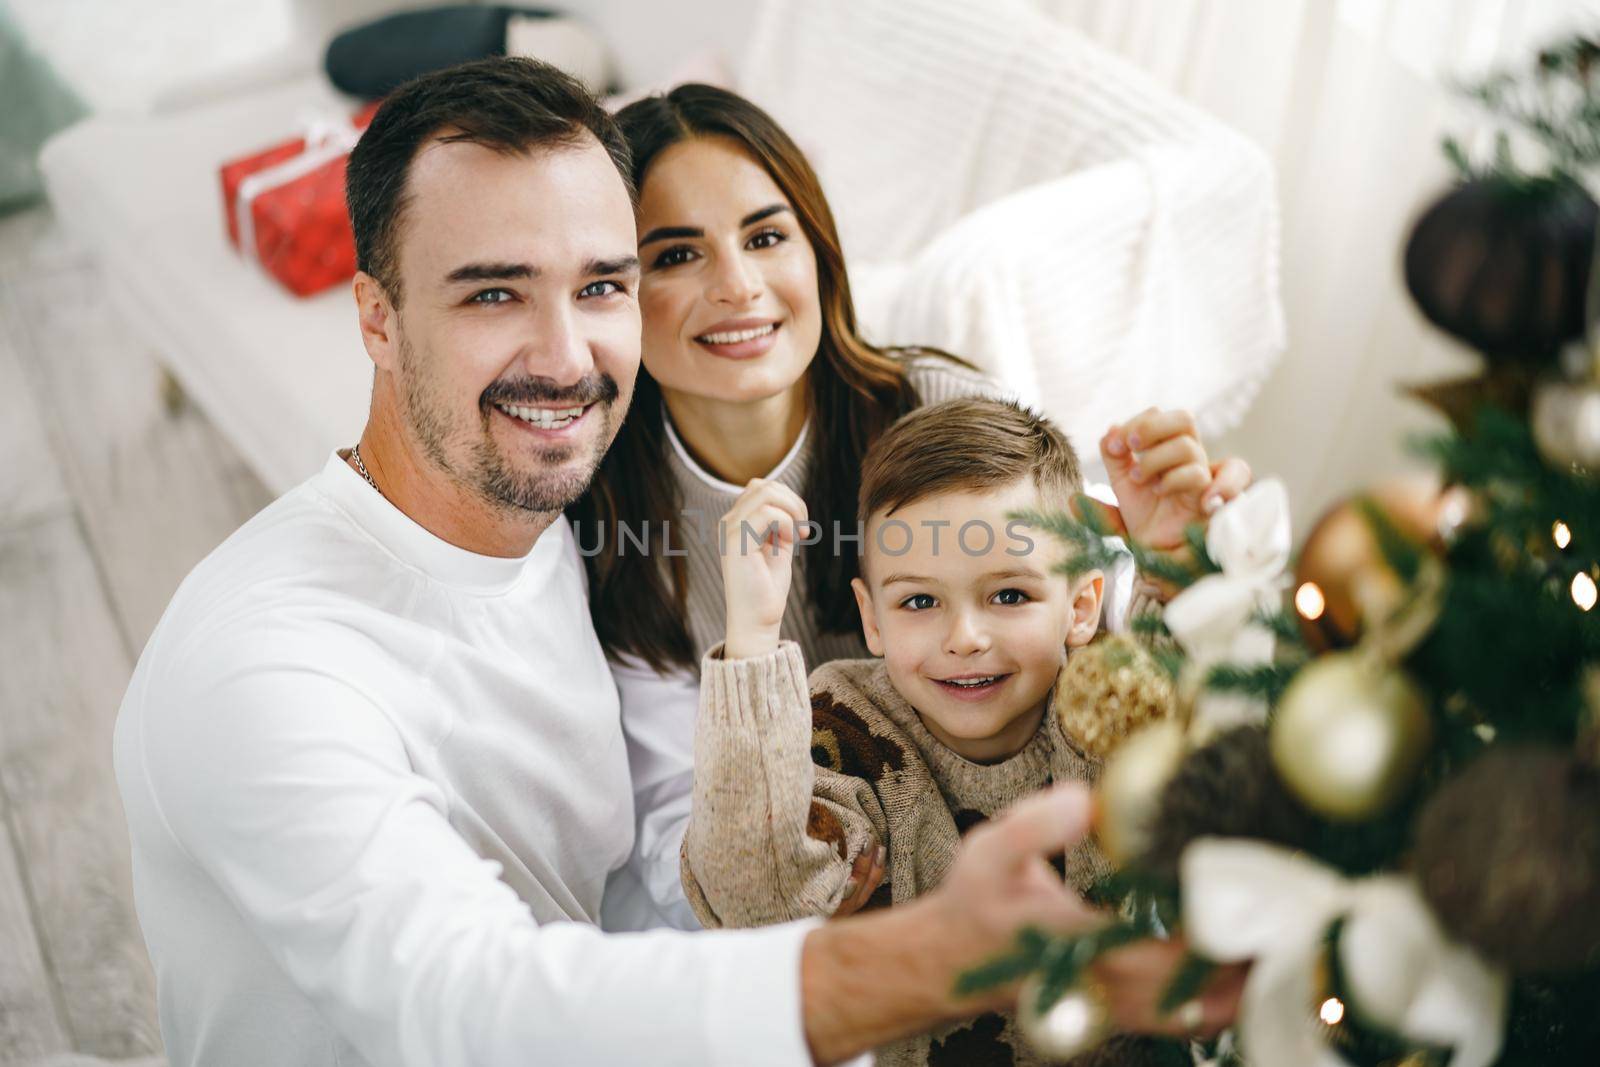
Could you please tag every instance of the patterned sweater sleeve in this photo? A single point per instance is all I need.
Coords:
(771, 836)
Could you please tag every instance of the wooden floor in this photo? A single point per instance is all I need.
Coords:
(110, 490)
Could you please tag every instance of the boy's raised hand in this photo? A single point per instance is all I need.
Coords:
(1162, 477)
(758, 537)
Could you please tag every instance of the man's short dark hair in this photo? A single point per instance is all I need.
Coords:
(508, 103)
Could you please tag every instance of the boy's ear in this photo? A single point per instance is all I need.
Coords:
(869, 618)
(1086, 599)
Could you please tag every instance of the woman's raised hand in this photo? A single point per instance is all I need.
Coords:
(758, 536)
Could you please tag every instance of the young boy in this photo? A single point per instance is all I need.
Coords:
(907, 752)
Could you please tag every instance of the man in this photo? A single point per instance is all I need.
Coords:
(371, 756)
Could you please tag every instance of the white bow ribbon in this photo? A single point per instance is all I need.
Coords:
(1244, 900)
(1250, 539)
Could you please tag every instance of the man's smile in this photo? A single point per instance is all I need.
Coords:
(545, 419)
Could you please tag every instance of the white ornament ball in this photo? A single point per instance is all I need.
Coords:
(1070, 1027)
(1566, 423)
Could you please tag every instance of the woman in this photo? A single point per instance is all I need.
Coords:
(754, 367)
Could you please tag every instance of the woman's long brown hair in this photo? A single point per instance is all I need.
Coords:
(855, 391)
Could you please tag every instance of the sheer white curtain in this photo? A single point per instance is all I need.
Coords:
(1349, 98)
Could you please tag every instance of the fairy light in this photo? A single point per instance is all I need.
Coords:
(1309, 601)
(1561, 533)
(1331, 1012)
(1584, 593)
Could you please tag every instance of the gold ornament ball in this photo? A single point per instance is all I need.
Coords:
(1129, 794)
(1108, 689)
(1349, 735)
(1070, 1027)
(1341, 577)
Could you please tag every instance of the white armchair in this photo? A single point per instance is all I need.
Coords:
(1009, 191)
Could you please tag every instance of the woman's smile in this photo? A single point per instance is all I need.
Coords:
(740, 338)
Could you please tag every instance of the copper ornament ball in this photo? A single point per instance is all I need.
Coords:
(1342, 578)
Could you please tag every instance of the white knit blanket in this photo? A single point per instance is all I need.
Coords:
(1007, 190)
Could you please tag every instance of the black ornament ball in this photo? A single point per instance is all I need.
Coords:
(1508, 855)
(1502, 263)
(1228, 788)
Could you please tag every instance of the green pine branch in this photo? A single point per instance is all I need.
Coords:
(1067, 958)
(1086, 540)
(1194, 535)
(1556, 103)
(1284, 627)
(1088, 535)
(1146, 906)
(1011, 967)
(1169, 659)
(1266, 681)
(1149, 626)
(1187, 981)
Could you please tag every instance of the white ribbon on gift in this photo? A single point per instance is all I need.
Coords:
(1250, 539)
(327, 137)
(1246, 900)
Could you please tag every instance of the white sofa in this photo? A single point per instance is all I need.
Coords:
(1004, 190)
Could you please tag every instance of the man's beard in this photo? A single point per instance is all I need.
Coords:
(486, 470)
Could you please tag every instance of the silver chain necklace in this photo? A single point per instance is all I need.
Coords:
(355, 454)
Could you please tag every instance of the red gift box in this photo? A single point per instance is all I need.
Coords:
(285, 206)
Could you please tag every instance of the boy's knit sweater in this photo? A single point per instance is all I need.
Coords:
(792, 783)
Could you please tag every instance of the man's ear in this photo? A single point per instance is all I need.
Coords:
(869, 617)
(1086, 597)
(378, 320)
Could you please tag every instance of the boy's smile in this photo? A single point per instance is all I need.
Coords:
(974, 686)
(970, 616)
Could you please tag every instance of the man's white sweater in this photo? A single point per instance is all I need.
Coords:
(375, 784)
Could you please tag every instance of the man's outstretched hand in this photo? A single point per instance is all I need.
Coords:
(1003, 882)
(1134, 978)
(870, 979)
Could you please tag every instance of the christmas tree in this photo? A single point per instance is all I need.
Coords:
(1379, 778)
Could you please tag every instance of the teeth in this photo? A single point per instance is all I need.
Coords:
(971, 683)
(544, 418)
(733, 337)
